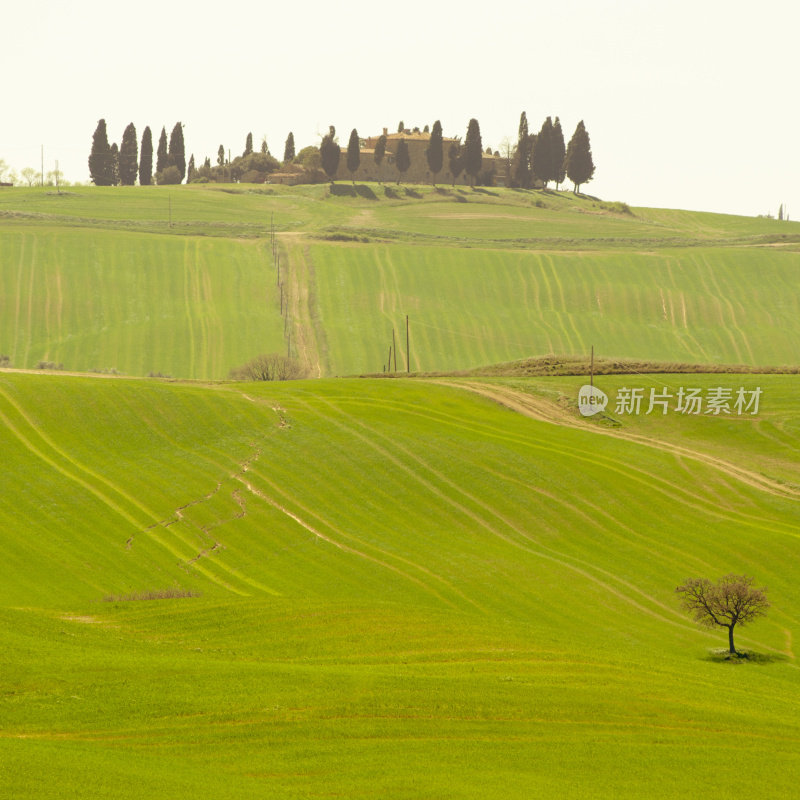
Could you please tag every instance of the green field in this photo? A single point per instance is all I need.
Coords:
(98, 279)
(440, 587)
(406, 589)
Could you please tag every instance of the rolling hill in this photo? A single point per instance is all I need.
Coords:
(400, 588)
(451, 586)
(98, 279)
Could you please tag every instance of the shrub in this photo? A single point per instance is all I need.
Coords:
(170, 176)
(268, 367)
(5, 361)
(48, 365)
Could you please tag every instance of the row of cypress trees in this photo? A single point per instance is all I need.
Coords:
(544, 156)
(110, 165)
(467, 157)
(537, 157)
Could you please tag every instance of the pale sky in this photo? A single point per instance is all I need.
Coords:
(687, 104)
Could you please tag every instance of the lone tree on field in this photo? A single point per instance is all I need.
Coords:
(435, 152)
(402, 158)
(578, 162)
(732, 600)
(353, 154)
(330, 153)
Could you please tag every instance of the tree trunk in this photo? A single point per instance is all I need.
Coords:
(730, 639)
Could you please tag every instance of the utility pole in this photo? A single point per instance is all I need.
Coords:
(408, 352)
(591, 374)
(42, 166)
(394, 349)
(58, 190)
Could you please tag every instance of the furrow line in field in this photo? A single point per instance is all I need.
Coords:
(530, 544)
(315, 531)
(652, 482)
(539, 410)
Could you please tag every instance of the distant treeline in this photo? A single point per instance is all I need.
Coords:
(535, 159)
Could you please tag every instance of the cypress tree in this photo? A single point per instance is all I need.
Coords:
(248, 145)
(177, 151)
(353, 153)
(542, 159)
(473, 150)
(401, 126)
(521, 167)
(190, 170)
(221, 156)
(455, 161)
(264, 148)
(114, 156)
(162, 157)
(128, 157)
(402, 158)
(380, 152)
(578, 163)
(330, 152)
(100, 167)
(288, 149)
(435, 152)
(559, 152)
(146, 158)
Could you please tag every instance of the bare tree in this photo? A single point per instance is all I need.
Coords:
(732, 601)
(268, 367)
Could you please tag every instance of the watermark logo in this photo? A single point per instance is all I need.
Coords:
(591, 400)
(715, 401)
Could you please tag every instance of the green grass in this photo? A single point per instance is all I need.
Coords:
(138, 303)
(405, 590)
(96, 278)
(479, 306)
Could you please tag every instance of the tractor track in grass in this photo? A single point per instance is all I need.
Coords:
(545, 411)
(307, 335)
(655, 483)
(520, 539)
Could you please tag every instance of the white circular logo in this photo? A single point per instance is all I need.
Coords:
(591, 400)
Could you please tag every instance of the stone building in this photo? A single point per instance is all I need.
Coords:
(418, 171)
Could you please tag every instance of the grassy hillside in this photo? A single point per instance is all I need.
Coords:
(98, 278)
(406, 589)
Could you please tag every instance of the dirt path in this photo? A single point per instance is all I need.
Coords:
(546, 411)
(307, 338)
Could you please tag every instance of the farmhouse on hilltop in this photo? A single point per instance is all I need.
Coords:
(418, 171)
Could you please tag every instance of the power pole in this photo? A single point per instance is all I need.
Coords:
(394, 349)
(408, 352)
(591, 374)
(42, 166)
